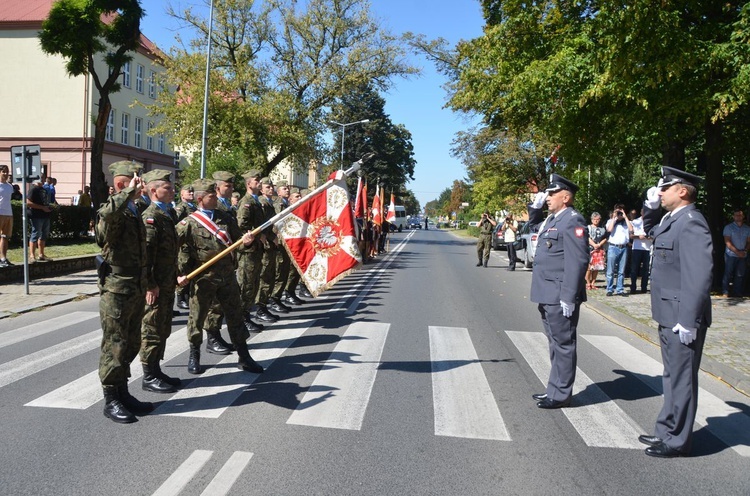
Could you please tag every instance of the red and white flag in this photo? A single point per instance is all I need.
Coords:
(377, 213)
(320, 238)
(359, 206)
(391, 216)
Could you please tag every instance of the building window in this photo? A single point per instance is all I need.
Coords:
(125, 128)
(109, 134)
(152, 85)
(126, 74)
(161, 143)
(149, 137)
(140, 72)
(137, 132)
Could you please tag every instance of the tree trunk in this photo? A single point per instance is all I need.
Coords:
(714, 170)
(99, 187)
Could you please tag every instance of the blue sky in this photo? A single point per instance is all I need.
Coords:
(416, 103)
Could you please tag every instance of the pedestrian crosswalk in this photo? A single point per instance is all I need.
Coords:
(463, 403)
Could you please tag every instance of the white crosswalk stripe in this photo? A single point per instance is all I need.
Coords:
(339, 395)
(40, 328)
(464, 404)
(735, 434)
(599, 421)
(220, 485)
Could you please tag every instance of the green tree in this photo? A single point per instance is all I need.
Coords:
(81, 31)
(278, 68)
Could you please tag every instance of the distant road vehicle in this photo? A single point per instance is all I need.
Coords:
(474, 223)
(526, 246)
(415, 223)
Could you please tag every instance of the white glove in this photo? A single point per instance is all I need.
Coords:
(539, 199)
(652, 197)
(567, 309)
(687, 336)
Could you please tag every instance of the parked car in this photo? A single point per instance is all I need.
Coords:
(526, 246)
(415, 223)
(498, 235)
(474, 223)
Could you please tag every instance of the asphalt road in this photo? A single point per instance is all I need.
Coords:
(412, 376)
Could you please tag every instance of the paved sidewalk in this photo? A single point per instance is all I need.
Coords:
(726, 352)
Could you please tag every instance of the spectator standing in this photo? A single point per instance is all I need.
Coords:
(426, 226)
(560, 263)
(484, 243)
(17, 195)
(597, 239)
(641, 255)
(6, 215)
(619, 229)
(49, 186)
(510, 228)
(39, 213)
(681, 276)
(736, 236)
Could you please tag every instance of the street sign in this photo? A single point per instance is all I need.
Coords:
(26, 161)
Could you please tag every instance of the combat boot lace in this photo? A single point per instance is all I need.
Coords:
(114, 409)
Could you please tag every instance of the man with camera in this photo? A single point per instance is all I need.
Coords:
(619, 229)
(510, 228)
(484, 244)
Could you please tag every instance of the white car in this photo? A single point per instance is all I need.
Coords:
(526, 246)
(474, 223)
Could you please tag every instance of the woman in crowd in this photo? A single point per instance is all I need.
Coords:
(597, 239)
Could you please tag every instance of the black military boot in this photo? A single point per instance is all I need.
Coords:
(131, 403)
(485, 263)
(182, 300)
(172, 381)
(304, 292)
(216, 345)
(114, 409)
(264, 315)
(280, 302)
(194, 361)
(246, 362)
(291, 298)
(152, 382)
(276, 306)
(250, 325)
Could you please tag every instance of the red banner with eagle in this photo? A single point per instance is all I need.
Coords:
(320, 238)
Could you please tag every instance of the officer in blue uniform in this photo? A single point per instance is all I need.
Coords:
(557, 283)
(681, 276)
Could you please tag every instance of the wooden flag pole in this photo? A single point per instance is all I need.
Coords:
(273, 220)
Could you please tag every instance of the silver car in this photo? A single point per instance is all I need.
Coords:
(526, 246)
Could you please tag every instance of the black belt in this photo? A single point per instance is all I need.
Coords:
(618, 246)
(127, 271)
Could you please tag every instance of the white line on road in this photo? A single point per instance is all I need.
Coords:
(44, 327)
(729, 424)
(339, 395)
(227, 476)
(599, 421)
(184, 473)
(464, 403)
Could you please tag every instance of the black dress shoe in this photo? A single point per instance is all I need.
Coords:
(277, 307)
(549, 404)
(183, 304)
(650, 440)
(265, 316)
(539, 396)
(661, 450)
(253, 326)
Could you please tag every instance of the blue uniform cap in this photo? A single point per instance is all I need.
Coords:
(557, 183)
(670, 176)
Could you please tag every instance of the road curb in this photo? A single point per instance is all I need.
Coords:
(732, 377)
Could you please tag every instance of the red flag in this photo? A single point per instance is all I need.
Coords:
(364, 200)
(359, 211)
(391, 216)
(377, 214)
(553, 158)
(320, 238)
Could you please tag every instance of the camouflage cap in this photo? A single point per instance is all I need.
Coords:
(304, 191)
(294, 190)
(236, 195)
(157, 175)
(204, 185)
(282, 182)
(252, 174)
(123, 168)
(266, 180)
(187, 187)
(225, 176)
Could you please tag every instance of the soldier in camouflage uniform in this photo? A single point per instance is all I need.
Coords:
(122, 286)
(215, 343)
(217, 283)
(270, 247)
(250, 258)
(161, 273)
(484, 243)
(280, 202)
(289, 294)
(182, 210)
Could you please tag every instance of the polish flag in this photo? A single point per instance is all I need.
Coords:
(377, 214)
(391, 216)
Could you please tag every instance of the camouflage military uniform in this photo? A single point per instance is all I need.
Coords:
(250, 258)
(283, 263)
(484, 243)
(182, 210)
(268, 270)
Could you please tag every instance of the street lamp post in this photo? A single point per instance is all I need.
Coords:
(204, 140)
(343, 127)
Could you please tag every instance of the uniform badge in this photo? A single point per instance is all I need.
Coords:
(183, 221)
(150, 221)
(579, 232)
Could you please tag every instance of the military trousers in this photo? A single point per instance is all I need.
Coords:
(121, 305)
(484, 245)
(283, 264)
(294, 279)
(674, 425)
(267, 275)
(215, 291)
(249, 265)
(563, 352)
(156, 327)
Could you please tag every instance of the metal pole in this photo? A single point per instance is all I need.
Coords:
(25, 219)
(341, 165)
(205, 93)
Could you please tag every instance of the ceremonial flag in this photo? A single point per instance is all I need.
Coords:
(320, 238)
(364, 201)
(553, 158)
(359, 207)
(391, 216)
(377, 214)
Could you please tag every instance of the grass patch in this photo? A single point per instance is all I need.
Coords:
(59, 248)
